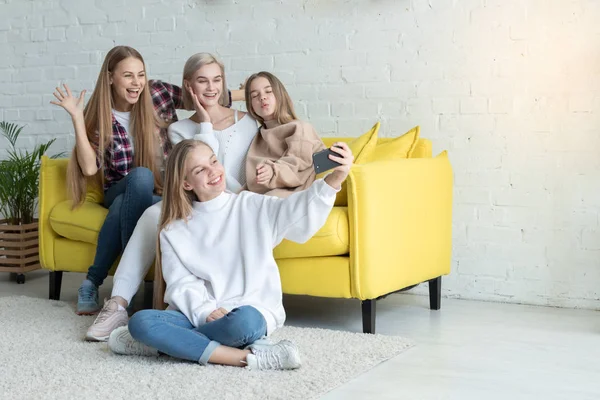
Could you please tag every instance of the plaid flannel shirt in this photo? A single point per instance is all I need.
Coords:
(118, 157)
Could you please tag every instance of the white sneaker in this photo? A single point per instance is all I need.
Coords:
(121, 342)
(109, 319)
(283, 355)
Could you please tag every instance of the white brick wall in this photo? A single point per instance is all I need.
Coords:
(510, 87)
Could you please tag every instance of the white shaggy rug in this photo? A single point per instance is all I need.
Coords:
(43, 356)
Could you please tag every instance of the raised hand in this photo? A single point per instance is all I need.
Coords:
(264, 173)
(344, 157)
(73, 105)
(200, 110)
(215, 315)
(243, 85)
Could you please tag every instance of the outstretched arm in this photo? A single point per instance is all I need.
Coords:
(87, 157)
(299, 216)
(238, 95)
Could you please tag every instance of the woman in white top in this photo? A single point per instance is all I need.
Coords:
(229, 132)
(223, 285)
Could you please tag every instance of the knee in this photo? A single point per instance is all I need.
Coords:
(139, 179)
(140, 324)
(253, 319)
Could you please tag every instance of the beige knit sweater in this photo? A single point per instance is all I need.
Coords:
(288, 149)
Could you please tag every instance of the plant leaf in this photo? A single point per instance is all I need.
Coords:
(11, 131)
(19, 176)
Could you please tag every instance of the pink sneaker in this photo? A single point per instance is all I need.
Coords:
(109, 319)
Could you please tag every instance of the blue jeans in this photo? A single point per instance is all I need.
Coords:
(170, 332)
(126, 202)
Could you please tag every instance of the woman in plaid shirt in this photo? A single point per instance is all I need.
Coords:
(121, 145)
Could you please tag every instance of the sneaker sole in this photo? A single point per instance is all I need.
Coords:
(94, 312)
(91, 338)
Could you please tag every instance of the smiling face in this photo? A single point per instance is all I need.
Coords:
(204, 174)
(207, 84)
(264, 102)
(127, 81)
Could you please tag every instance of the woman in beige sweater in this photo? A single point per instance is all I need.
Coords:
(279, 161)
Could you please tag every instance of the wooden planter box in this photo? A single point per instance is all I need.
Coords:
(19, 247)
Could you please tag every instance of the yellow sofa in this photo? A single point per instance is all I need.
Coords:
(395, 232)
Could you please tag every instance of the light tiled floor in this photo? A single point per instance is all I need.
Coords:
(467, 350)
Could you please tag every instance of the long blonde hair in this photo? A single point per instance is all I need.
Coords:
(98, 125)
(284, 109)
(193, 64)
(176, 204)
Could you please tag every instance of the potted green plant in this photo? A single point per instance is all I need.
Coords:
(19, 178)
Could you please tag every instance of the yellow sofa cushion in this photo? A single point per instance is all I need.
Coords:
(399, 147)
(81, 224)
(423, 149)
(331, 240)
(94, 193)
(361, 147)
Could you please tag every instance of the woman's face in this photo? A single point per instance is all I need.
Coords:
(207, 84)
(127, 81)
(263, 99)
(204, 174)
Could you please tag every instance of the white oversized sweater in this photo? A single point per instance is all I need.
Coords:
(230, 145)
(223, 255)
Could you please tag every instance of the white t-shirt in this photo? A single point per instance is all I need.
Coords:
(230, 145)
(122, 118)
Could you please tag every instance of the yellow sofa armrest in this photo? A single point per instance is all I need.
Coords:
(400, 215)
(52, 190)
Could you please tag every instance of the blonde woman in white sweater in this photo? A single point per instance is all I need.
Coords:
(223, 285)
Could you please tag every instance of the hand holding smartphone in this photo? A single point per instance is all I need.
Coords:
(321, 161)
(339, 158)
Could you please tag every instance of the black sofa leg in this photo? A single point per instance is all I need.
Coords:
(55, 282)
(368, 315)
(435, 293)
(148, 294)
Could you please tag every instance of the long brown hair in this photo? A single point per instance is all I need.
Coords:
(284, 109)
(98, 127)
(176, 203)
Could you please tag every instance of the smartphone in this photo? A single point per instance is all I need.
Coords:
(321, 161)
